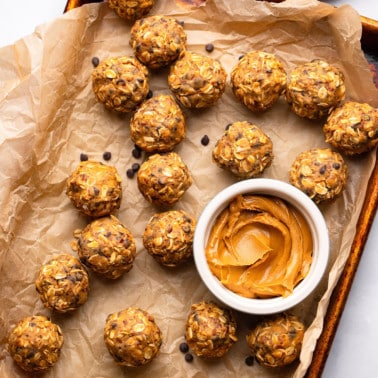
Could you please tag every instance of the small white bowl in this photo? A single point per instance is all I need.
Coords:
(319, 233)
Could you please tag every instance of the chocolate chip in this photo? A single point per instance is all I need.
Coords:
(249, 360)
(336, 165)
(228, 126)
(136, 152)
(130, 173)
(323, 169)
(135, 167)
(184, 348)
(83, 157)
(95, 61)
(107, 155)
(188, 357)
(209, 47)
(241, 57)
(205, 140)
(149, 94)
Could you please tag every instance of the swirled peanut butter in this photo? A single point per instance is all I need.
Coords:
(260, 247)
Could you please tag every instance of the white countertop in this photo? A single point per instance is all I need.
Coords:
(353, 353)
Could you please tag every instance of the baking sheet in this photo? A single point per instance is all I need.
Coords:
(58, 118)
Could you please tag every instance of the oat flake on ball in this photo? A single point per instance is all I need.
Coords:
(132, 337)
(157, 40)
(35, 343)
(196, 80)
(258, 80)
(120, 83)
(131, 10)
(314, 89)
(106, 246)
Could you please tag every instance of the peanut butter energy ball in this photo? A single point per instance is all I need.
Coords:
(95, 188)
(314, 89)
(131, 10)
(106, 246)
(63, 283)
(132, 337)
(168, 237)
(244, 150)
(157, 40)
(277, 341)
(196, 80)
(258, 80)
(210, 330)
(163, 179)
(35, 344)
(352, 128)
(120, 83)
(158, 125)
(320, 173)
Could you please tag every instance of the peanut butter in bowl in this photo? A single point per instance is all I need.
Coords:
(260, 247)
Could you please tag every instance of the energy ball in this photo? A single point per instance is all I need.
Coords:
(35, 344)
(95, 188)
(131, 10)
(320, 173)
(314, 89)
(352, 128)
(120, 83)
(168, 237)
(244, 150)
(258, 80)
(163, 179)
(210, 330)
(62, 283)
(277, 341)
(132, 337)
(196, 80)
(106, 246)
(158, 40)
(158, 125)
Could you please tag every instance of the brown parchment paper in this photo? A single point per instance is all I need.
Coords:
(48, 116)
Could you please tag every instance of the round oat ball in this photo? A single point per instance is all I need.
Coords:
(158, 125)
(95, 188)
(196, 80)
(106, 246)
(320, 173)
(258, 80)
(244, 150)
(120, 83)
(157, 40)
(163, 179)
(35, 343)
(62, 283)
(314, 89)
(131, 10)
(132, 337)
(277, 341)
(352, 128)
(210, 330)
(168, 237)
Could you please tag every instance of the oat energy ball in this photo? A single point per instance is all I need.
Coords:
(95, 188)
(320, 173)
(168, 237)
(106, 246)
(196, 80)
(163, 179)
(158, 40)
(258, 80)
(35, 343)
(120, 83)
(132, 337)
(62, 283)
(244, 150)
(131, 10)
(158, 125)
(314, 89)
(210, 330)
(277, 341)
(352, 128)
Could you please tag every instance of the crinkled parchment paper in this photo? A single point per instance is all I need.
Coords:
(48, 116)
